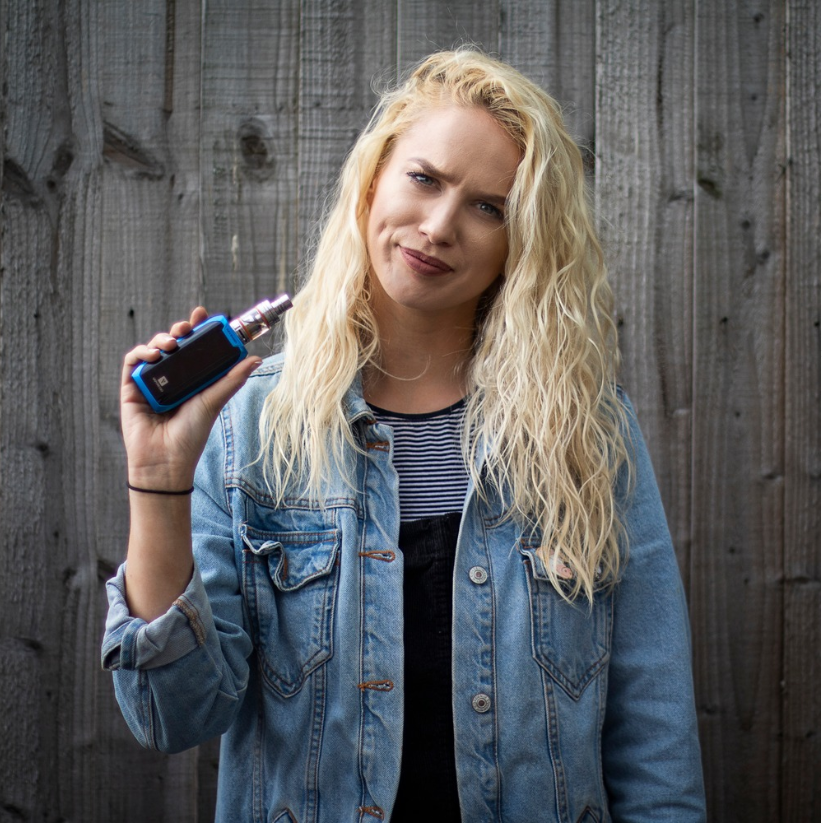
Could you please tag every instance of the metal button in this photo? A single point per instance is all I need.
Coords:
(478, 574)
(481, 702)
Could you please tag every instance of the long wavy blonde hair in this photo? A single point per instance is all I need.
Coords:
(542, 402)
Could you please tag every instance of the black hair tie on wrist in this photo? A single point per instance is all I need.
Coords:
(158, 491)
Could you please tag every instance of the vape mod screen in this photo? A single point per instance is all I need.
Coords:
(201, 357)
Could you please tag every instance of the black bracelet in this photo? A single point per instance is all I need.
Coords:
(157, 491)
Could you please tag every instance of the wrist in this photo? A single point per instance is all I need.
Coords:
(170, 492)
(160, 478)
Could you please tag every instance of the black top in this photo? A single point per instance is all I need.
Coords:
(428, 776)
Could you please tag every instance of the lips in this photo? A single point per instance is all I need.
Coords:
(422, 263)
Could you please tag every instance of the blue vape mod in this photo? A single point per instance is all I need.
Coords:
(204, 355)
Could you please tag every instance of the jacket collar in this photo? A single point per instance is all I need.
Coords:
(354, 405)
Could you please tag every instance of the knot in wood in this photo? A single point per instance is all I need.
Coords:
(255, 148)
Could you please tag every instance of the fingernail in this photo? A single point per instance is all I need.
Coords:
(257, 364)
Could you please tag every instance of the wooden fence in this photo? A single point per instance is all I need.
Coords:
(160, 153)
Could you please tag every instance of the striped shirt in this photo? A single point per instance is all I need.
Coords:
(428, 460)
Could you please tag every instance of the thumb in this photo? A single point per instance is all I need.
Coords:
(218, 394)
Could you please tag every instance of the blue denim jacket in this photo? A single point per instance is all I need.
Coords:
(288, 642)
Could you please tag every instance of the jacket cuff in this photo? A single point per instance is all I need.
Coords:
(132, 643)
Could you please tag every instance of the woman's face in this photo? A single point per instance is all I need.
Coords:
(436, 235)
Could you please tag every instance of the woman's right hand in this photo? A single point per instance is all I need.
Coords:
(163, 449)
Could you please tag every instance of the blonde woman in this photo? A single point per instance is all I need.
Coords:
(424, 573)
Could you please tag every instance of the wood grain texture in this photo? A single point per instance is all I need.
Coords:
(146, 93)
(247, 141)
(644, 203)
(738, 489)
(164, 153)
(47, 569)
(424, 26)
(554, 44)
(248, 146)
(800, 702)
(346, 50)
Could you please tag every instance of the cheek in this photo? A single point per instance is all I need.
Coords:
(377, 238)
(378, 218)
(497, 251)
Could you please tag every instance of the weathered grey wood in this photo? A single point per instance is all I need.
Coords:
(163, 153)
(644, 202)
(554, 43)
(47, 569)
(147, 273)
(424, 26)
(800, 707)
(346, 48)
(738, 488)
(247, 140)
(248, 143)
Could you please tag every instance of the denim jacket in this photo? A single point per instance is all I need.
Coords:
(288, 641)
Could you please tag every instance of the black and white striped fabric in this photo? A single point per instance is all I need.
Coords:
(428, 460)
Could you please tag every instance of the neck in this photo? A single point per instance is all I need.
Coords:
(423, 361)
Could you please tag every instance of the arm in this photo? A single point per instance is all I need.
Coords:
(163, 450)
(651, 756)
(177, 677)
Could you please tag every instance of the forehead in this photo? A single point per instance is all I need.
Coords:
(460, 140)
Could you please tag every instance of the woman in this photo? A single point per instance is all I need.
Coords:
(431, 577)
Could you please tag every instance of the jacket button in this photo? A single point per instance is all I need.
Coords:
(478, 575)
(481, 703)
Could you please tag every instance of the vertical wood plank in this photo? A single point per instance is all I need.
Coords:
(145, 272)
(739, 403)
(800, 701)
(554, 44)
(425, 26)
(248, 143)
(45, 555)
(344, 46)
(644, 204)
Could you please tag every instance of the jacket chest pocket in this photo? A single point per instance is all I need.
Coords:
(290, 586)
(570, 640)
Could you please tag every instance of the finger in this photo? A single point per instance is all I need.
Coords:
(180, 329)
(198, 315)
(184, 327)
(150, 352)
(147, 353)
(140, 354)
(164, 341)
(218, 394)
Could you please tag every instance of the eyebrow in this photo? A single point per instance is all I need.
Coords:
(428, 168)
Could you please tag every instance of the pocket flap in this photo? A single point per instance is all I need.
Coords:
(295, 558)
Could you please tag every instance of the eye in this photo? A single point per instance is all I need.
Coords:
(491, 210)
(420, 178)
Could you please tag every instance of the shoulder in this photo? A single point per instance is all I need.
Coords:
(237, 425)
(250, 399)
(628, 422)
(624, 401)
(637, 488)
(234, 441)
(267, 375)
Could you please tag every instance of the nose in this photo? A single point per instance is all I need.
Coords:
(439, 222)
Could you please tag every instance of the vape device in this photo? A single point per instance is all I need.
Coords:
(205, 354)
